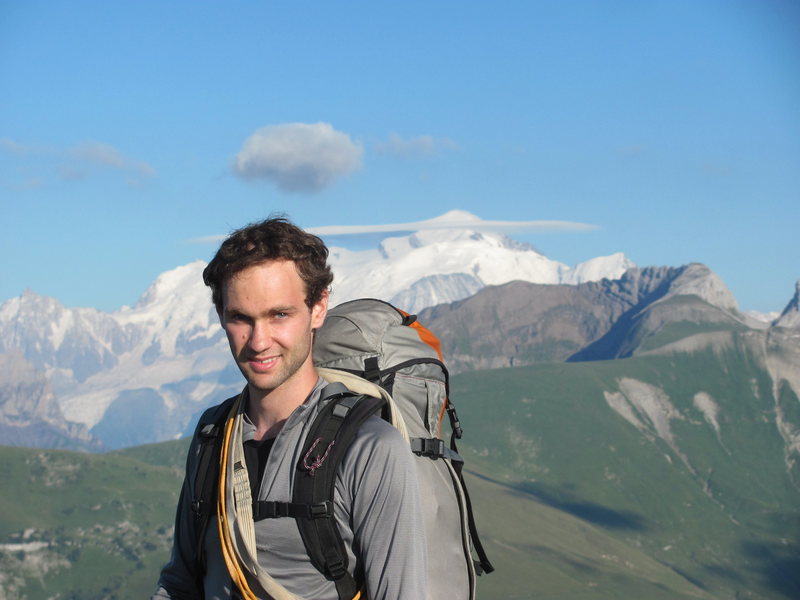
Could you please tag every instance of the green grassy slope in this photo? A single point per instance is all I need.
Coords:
(720, 509)
(164, 454)
(545, 553)
(99, 526)
(75, 525)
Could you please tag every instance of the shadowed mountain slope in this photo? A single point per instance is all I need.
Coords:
(522, 323)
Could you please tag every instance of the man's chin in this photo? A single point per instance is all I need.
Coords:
(261, 384)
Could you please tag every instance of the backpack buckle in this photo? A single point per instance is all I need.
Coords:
(321, 510)
(430, 447)
(337, 569)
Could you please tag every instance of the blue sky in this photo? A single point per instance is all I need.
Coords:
(127, 130)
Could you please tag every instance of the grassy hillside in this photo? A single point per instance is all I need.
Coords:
(719, 507)
(163, 454)
(88, 526)
(82, 526)
(543, 552)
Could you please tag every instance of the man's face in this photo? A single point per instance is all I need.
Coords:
(269, 327)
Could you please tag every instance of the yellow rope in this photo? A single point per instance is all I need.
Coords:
(228, 552)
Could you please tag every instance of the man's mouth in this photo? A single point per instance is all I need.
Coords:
(262, 364)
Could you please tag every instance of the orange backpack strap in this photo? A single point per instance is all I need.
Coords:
(424, 333)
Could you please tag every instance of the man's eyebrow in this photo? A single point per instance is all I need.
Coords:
(233, 310)
(282, 309)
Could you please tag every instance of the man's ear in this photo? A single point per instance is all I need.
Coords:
(320, 310)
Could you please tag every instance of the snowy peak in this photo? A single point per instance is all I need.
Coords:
(175, 310)
(790, 317)
(173, 317)
(397, 246)
(172, 283)
(434, 266)
(456, 218)
(82, 340)
(602, 267)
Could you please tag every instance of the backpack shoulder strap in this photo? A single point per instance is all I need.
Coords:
(329, 438)
(208, 437)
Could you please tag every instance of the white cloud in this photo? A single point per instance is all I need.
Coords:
(454, 219)
(79, 161)
(457, 219)
(421, 145)
(71, 173)
(15, 147)
(298, 157)
(105, 155)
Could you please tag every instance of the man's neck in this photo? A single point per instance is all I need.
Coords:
(269, 411)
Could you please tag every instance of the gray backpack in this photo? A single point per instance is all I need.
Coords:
(372, 340)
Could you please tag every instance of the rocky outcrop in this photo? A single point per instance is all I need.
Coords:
(790, 317)
(29, 413)
(696, 279)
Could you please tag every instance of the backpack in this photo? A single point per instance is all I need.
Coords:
(392, 366)
(374, 340)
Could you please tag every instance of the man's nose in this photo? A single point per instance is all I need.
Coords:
(260, 337)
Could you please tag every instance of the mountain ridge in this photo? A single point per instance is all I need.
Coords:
(790, 317)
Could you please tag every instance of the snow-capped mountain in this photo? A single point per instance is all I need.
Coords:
(143, 373)
(444, 265)
(167, 351)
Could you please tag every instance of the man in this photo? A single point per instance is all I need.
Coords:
(269, 284)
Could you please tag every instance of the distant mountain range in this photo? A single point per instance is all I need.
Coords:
(143, 373)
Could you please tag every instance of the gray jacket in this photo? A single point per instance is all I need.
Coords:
(377, 509)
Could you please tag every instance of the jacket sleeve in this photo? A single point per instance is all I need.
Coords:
(388, 528)
(179, 578)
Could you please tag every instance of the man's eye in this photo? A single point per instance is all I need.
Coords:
(281, 315)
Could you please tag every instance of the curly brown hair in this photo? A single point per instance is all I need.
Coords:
(275, 238)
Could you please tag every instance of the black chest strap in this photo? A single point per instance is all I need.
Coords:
(269, 509)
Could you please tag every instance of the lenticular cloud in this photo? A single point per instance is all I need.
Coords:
(298, 157)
